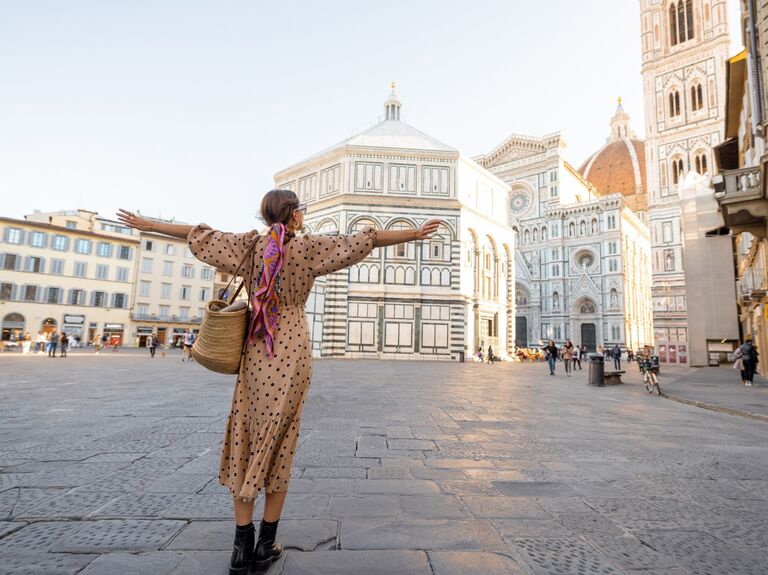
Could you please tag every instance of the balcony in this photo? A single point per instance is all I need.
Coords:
(742, 199)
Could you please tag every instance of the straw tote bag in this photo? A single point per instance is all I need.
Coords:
(221, 341)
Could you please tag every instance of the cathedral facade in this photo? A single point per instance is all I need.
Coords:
(685, 46)
(583, 257)
(436, 299)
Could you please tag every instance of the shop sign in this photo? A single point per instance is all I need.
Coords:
(74, 319)
(113, 326)
(144, 329)
(179, 330)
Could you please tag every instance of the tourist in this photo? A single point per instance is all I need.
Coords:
(186, 348)
(104, 341)
(40, 342)
(490, 355)
(479, 354)
(749, 359)
(576, 357)
(550, 354)
(152, 345)
(26, 343)
(53, 342)
(616, 354)
(568, 352)
(258, 449)
(630, 355)
(64, 341)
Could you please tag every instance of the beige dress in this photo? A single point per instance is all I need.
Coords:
(263, 424)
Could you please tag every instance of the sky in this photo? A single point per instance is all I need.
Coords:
(186, 109)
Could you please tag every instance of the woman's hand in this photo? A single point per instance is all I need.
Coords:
(428, 229)
(133, 221)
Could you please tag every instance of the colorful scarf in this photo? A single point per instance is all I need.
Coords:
(265, 301)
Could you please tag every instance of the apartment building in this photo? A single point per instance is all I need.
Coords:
(87, 275)
(70, 271)
(171, 291)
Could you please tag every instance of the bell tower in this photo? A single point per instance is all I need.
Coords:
(685, 46)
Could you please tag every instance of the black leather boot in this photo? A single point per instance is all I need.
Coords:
(267, 551)
(242, 554)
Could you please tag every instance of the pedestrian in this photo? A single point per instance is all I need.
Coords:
(568, 351)
(53, 342)
(630, 355)
(550, 354)
(490, 355)
(104, 341)
(576, 357)
(64, 341)
(152, 345)
(749, 359)
(26, 343)
(616, 354)
(275, 370)
(479, 354)
(186, 347)
(40, 342)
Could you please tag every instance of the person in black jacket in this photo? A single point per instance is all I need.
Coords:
(550, 354)
(749, 357)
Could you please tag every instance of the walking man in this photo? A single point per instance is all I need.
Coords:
(749, 360)
(152, 345)
(616, 354)
(490, 355)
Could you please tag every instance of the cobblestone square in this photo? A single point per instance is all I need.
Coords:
(108, 465)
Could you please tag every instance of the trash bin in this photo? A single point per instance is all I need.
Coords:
(461, 357)
(596, 369)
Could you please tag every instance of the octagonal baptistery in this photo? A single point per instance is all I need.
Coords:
(436, 299)
(619, 166)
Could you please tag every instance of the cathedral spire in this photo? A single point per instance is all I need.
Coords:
(392, 105)
(620, 124)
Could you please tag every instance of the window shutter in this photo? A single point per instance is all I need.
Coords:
(66, 244)
(18, 263)
(61, 295)
(46, 238)
(114, 297)
(2, 260)
(93, 297)
(6, 232)
(21, 236)
(30, 235)
(46, 294)
(28, 264)
(42, 265)
(40, 293)
(14, 292)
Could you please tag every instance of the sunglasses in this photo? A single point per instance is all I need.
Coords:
(302, 208)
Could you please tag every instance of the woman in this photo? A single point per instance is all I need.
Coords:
(550, 354)
(749, 359)
(268, 401)
(568, 352)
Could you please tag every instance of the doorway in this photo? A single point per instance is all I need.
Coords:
(589, 336)
(521, 331)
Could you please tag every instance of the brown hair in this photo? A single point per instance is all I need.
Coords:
(278, 205)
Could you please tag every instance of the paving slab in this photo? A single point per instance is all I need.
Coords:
(419, 534)
(464, 562)
(356, 563)
(158, 563)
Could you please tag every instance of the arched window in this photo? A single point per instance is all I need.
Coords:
(701, 162)
(674, 103)
(697, 97)
(680, 22)
(572, 229)
(555, 301)
(526, 236)
(583, 228)
(543, 234)
(677, 170)
(535, 235)
(673, 39)
(594, 226)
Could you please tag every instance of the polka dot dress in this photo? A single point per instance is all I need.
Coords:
(263, 424)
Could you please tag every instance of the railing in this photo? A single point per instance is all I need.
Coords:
(744, 182)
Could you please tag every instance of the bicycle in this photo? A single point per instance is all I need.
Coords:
(650, 376)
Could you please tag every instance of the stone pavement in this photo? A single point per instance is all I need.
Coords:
(107, 465)
(717, 388)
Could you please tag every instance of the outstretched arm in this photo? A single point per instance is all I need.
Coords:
(392, 237)
(131, 220)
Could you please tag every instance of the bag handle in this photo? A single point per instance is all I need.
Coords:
(248, 252)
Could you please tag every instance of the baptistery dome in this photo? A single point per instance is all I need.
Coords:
(619, 166)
